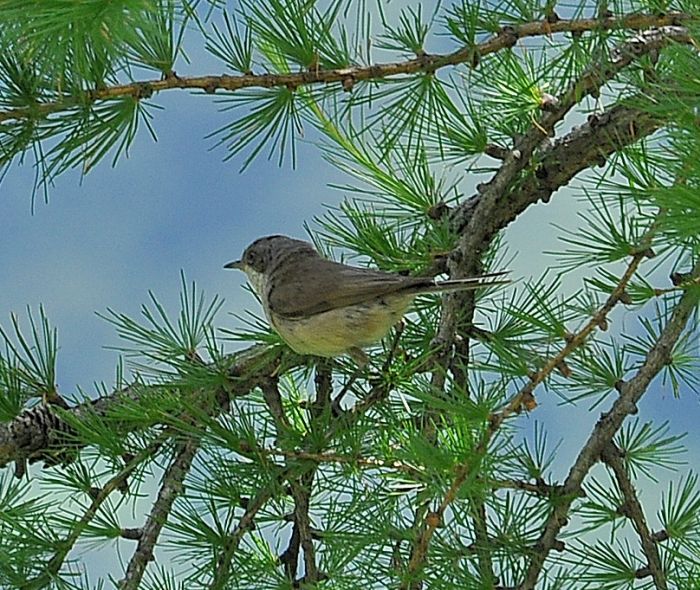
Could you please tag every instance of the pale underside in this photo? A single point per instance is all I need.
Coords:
(339, 331)
(343, 309)
(333, 332)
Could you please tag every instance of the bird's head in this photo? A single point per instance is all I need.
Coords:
(267, 253)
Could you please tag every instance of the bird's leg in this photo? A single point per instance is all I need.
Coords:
(359, 356)
(399, 328)
(335, 405)
(362, 360)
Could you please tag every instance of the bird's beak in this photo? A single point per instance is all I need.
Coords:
(237, 264)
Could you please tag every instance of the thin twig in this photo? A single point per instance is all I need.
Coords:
(683, 285)
(632, 509)
(347, 76)
(482, 543)
(289, 558)
(245, 524)
(115, 483)
(273, 399)
(524, 399)
(421, 515)
(132, 534)
(324, 386)
(169, 491)
(378, 393)
(337, 400)
(302, 487)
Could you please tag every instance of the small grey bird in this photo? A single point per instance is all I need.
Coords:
(324, 308)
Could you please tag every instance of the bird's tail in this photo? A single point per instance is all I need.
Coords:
(478, 282)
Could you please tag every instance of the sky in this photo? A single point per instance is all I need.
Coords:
(106, 239)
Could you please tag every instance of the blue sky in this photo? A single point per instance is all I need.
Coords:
(173, 205)
(107, 239)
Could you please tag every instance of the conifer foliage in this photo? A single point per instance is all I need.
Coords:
(428, 468)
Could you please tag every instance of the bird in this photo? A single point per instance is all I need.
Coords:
(327, 309)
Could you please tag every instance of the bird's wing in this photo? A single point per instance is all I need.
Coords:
(316, 285)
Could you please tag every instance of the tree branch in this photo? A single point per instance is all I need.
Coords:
(301, 486)
(40, 434)
(169, 491)
(56, 562)
(608, 424)
(486, 218)
(478, 224)
(273, 399)
(301, 492)
(586, 146)
(482, 544)
(289, 558)
(497, 203)
(632, 509)
(245, 524)
(524, 399)
(507, 37)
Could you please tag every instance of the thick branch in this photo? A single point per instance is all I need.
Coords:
(40, 434)
(301, 492)
(586, 146)
(633, 510)
(497, 203)
(608, 424)
(478, 225)
(349, 75)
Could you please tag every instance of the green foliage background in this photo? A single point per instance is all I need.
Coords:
(274, 471)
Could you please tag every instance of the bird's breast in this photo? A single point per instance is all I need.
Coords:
(334, 332)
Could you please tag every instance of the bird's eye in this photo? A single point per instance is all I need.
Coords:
(254, 260)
